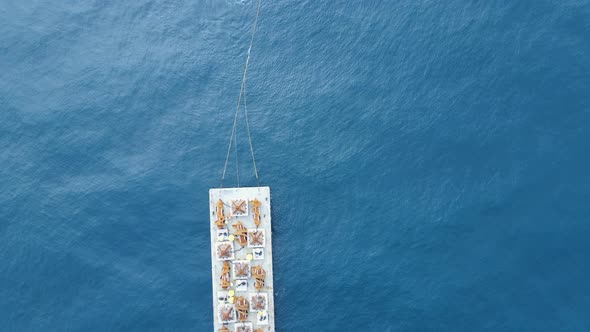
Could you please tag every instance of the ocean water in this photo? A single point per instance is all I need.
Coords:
(428, 161)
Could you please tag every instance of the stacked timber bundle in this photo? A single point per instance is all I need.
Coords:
(256, 211)
(220, 222)
(224, 279)
(258, 274)
(242, 308)
(241, 233)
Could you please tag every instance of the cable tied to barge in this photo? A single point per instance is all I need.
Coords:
(233, 136)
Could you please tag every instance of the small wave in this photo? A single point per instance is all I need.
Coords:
(238, 2)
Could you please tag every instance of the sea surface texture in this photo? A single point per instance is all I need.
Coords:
(428, 161)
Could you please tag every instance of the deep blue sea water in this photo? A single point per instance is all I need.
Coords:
(428, 161)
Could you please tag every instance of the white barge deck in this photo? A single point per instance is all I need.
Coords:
(241, 259)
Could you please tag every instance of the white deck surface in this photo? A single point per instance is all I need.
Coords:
(263, 319)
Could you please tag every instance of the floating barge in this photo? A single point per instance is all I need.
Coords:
(241, 259)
